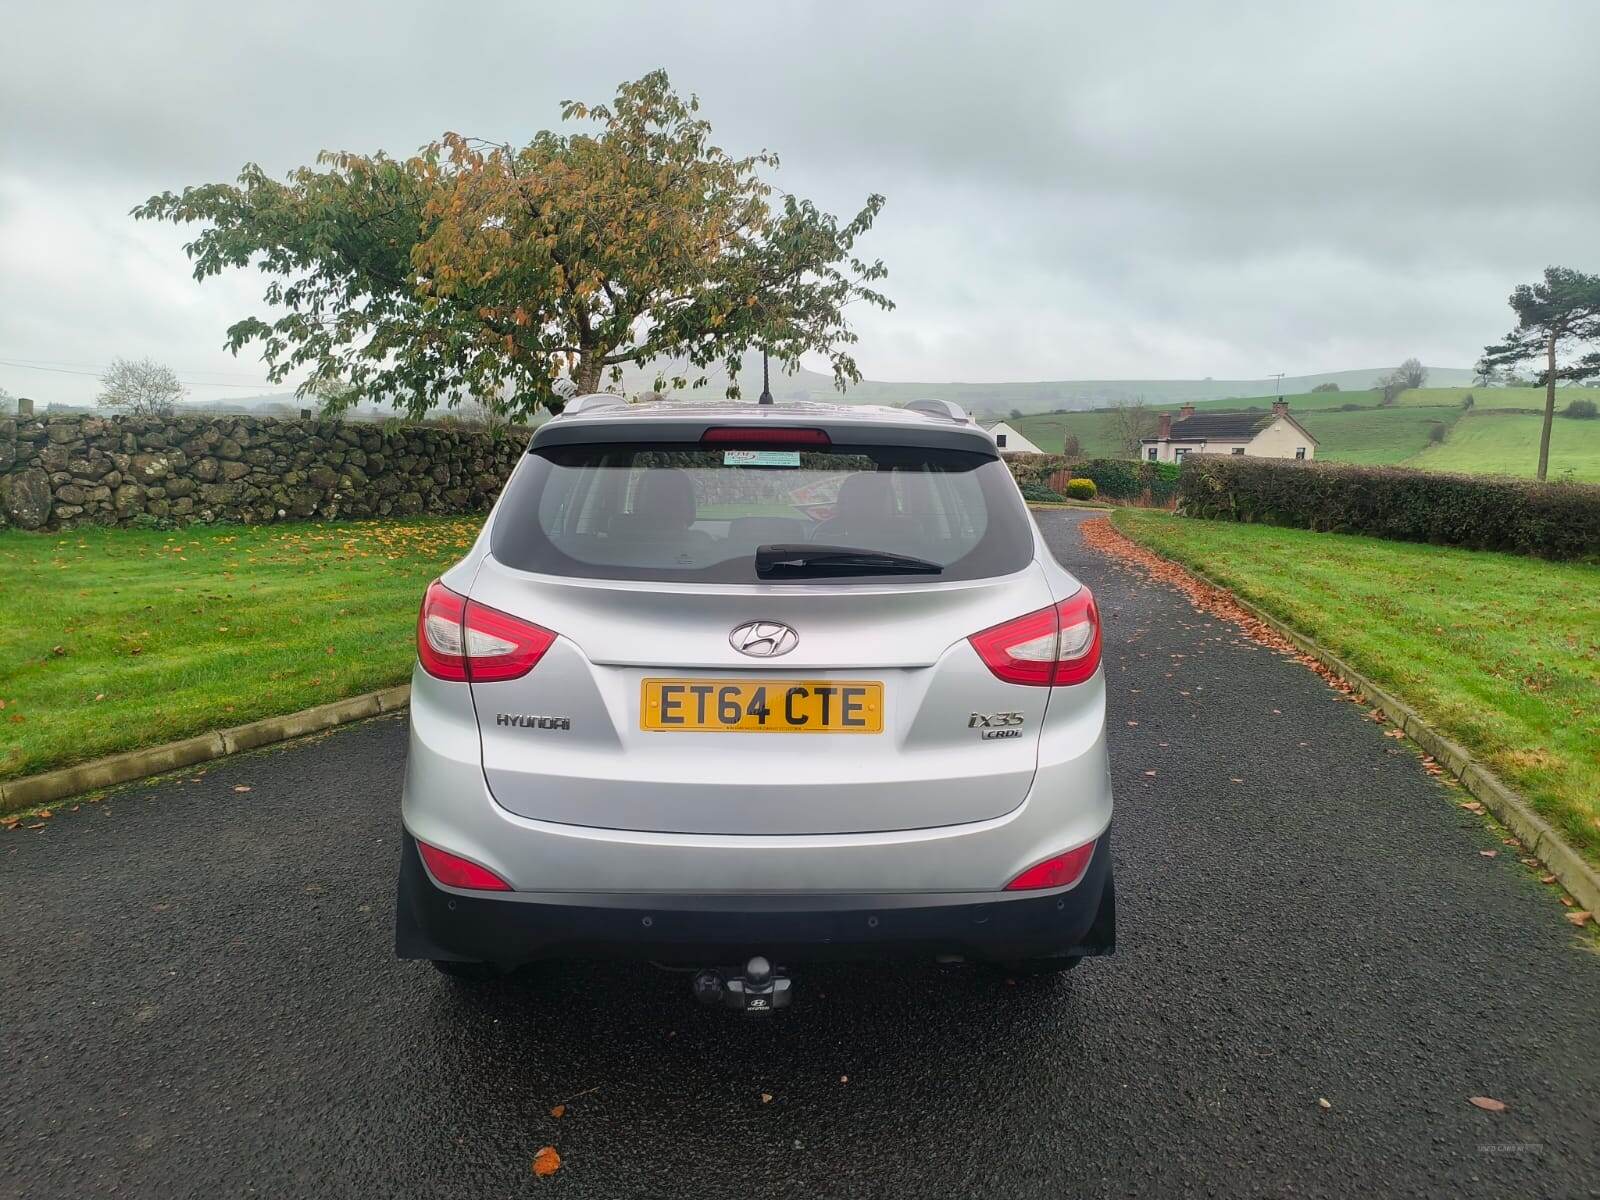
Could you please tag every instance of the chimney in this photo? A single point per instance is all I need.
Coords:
(1280, 407)
(1186, 411)
(1164, 432)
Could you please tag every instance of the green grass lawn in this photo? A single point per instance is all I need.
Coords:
(115, 638)
(1485, 443)
(1498, 652)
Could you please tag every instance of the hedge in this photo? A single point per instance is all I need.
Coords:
(1116, 478)
(1480, 512)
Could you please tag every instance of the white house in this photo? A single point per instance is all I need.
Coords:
(1260, 435)
(1011, 442)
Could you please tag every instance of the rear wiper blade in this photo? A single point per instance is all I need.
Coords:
(781, 562)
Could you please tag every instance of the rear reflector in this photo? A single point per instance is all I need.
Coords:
(1061, 871)
(458, 872)
(459, 639)
(1052, 647)
(728, 435)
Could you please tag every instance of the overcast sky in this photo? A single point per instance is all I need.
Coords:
(1075, 191)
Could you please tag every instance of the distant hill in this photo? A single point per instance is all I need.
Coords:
(993, 399)
(1042, 396)
(1427, 427)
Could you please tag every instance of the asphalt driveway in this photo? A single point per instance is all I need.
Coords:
(198, 995)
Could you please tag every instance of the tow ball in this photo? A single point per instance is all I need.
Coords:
(756, 989)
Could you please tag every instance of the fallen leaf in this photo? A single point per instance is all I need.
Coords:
(546, 1162)
(1581, 917)
(1149, 772)
(101, 696)
(844, 1079)
(1473, 806)
(1488, 853)
(766, 1097)
(559, 1111)
(241, 787)
(1487, 1103)
(1547, 879)
(1569, 901)
(1395, 733)
(1322, 1102)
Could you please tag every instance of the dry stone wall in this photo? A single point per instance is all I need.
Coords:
(62, 472)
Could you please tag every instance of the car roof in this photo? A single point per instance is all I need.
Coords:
(602, 418)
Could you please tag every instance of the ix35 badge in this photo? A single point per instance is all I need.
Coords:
(996, 725)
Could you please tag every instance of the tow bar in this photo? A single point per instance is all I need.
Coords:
(758, 989)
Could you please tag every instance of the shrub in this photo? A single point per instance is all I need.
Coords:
(1552, 520)
(1325, 387)
(1351, 407)
(1071, 446)
(1581, 410)
(1467, 401)
(1113, 478)
(1081, 489)
(1039, 493)
(1437, 431)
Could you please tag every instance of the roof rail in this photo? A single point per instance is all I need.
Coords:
(944, 409)
(593, 402)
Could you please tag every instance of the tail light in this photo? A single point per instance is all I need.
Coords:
(460, 639)
(456, 872)
(1052, 647)
(1061, 871)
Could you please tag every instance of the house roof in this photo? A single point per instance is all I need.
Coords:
(1225, 427)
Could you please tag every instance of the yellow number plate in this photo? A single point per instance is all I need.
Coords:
(769, 706)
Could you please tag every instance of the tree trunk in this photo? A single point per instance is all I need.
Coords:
(1549, 404)
(587, 376)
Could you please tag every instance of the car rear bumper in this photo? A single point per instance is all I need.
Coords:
(435, 922)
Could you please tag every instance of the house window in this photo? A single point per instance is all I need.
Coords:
(1151, 453)
(1238, 449)
(1177, 455)
(1300, 452)
(1000, 440)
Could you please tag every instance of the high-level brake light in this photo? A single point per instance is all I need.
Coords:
(732, 435)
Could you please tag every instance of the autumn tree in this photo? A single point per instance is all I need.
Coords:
(479, 269)
(140, 387)
(1559, 314)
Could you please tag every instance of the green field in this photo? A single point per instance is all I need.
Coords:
(1377, 436)
(1496, 651)
(119, 638)
(1508, 444)
(1479, 440)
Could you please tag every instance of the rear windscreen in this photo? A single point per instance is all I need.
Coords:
(657, 511)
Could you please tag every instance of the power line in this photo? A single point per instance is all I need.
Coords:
(98, 374)
(97, 366)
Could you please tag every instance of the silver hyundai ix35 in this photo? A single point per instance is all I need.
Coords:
(737, 686)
